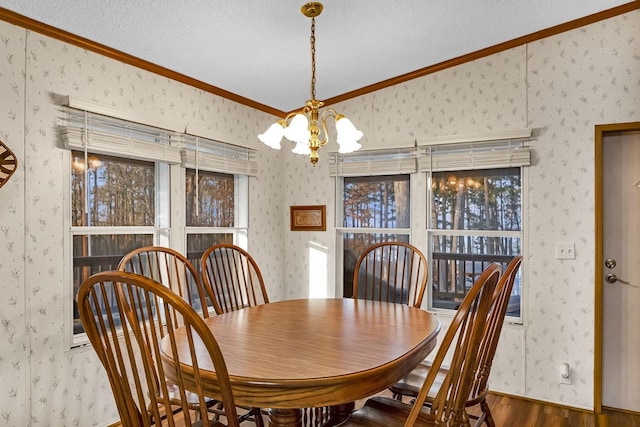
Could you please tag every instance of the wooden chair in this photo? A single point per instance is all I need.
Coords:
(391, 272)
(172, 269)
(232, 277)
(175, 271)
(462, 341)
(410, 385)
(120, 312)
(233, 280)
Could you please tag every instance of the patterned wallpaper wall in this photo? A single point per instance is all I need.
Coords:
(561, 87)
(43, 383)
(14, 340)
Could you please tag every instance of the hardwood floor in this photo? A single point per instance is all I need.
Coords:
(512, 411)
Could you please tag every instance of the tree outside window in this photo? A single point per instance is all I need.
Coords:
(475, 219)
(374, 208)
(108, 192)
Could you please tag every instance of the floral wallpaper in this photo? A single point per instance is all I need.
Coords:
(14, 342)
(561, 87)
(44, 383)
(576, 80)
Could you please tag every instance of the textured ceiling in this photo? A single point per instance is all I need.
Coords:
(259, 49)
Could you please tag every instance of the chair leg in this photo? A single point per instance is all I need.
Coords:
(258, 418)
(253, 414)
(487, 413)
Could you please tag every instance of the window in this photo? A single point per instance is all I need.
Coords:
(475, 219)
(122, 177)
(115, 208)
(216, 194)
(374, 209)
(211, 211)
(473, 207)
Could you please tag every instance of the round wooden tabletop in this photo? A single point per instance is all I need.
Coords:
(316, 352)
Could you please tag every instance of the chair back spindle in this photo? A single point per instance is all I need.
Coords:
(172, 269)
(391, 272)
(232, 277)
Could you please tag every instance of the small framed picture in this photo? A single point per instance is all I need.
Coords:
(309, 218)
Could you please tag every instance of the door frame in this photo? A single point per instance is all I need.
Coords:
(600, 131)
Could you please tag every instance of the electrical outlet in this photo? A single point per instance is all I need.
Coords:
(565, 250)
(565, 373)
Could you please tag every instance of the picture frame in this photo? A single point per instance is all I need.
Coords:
(308, 218)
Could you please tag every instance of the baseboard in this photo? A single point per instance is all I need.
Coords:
(622, 411)
(543, 402)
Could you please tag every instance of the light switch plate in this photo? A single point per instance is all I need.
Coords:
(565, 250)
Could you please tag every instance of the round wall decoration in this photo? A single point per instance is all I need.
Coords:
(8, 163)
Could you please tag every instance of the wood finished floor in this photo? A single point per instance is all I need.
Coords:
(514, 412)
(511, 411)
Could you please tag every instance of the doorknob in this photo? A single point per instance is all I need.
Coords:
(612, 278)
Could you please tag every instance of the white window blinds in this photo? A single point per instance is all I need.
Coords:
(368, 163)
(451, 153)
(487, 150)
(205, 154)
(477, 155)
(86, 131)
(82, 130)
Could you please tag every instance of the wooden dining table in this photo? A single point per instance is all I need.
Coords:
(294, 354)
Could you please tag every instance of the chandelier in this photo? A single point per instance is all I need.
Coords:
(302, 127)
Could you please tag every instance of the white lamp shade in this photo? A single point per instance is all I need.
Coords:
(298, 129)
(347, 130)
(348, 147)
(301, 148)
(348, 136)
(273, 136)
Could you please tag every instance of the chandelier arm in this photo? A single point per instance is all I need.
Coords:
(330, 112)
(287, 119)
(323, 123)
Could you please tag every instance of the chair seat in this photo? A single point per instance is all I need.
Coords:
(173, 393)
(386, 412)
(410, 385)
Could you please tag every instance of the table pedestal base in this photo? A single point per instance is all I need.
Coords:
(285, 417)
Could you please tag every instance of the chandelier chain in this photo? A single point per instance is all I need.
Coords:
(313, 58)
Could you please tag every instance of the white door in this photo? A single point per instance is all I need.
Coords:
(621, 270)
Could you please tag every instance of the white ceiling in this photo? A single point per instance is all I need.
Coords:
(259, 49)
